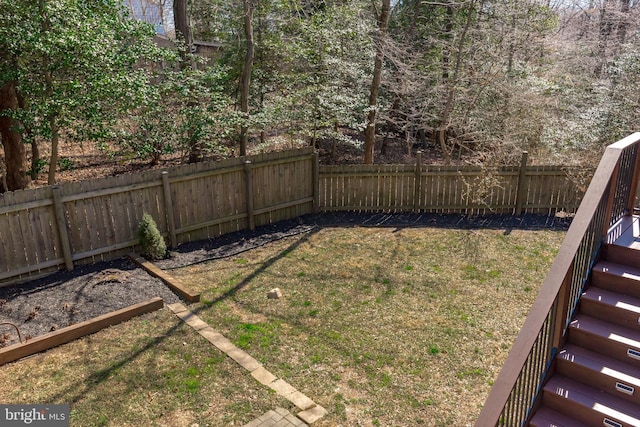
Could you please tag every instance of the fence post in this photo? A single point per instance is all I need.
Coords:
(168, 207)
(417, 188)
(522, 188)
(249, 180)
(62, 227)
(316, 181)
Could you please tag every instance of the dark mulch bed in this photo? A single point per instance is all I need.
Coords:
(238, 242)
(71, 297)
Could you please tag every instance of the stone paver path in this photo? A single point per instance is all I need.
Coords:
(278, 418)
(310, 411)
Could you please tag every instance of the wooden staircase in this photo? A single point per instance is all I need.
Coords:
(596, 375)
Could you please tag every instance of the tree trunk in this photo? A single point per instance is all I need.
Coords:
(14, 150)
(181, 22)
(52, 115)
(446, 51)
(623, 22)
(370, 133)
(440, 133)
(28, 134)
(55, 142)
(605, 28)
(245, 83)
(52, 118)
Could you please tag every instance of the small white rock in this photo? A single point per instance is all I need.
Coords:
(274, 293)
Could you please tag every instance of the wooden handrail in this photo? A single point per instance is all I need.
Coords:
(506, 405)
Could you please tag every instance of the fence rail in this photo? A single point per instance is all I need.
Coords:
(45, 229)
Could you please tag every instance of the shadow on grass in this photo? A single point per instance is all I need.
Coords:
(263, 267)
(79, 389)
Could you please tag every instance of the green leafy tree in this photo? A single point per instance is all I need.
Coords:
(311, 66)
(187, 111)
(319, 78)
(76, 64)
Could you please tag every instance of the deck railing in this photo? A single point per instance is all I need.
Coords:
(610, 196)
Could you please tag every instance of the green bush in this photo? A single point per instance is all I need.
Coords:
(151, 241)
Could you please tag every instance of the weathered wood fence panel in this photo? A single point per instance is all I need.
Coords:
(45, 229)
(28, 233)
(208, 199)
(49, 228)
(450, 189)
(367, 187)
(551, 188)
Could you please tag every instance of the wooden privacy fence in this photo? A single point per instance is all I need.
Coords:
(452, 189)
(45, 229)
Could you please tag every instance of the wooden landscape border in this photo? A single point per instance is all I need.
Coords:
(173, 283)
(73, 332)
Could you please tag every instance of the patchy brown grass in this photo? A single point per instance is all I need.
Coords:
(380, 326)
(152, 370)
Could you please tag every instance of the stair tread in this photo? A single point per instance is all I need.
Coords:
(592, 399)
(621, 301)
(609, 267)
(606, 330)
(547, 417)
(620, 371)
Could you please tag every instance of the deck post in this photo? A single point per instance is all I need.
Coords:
(562, 310)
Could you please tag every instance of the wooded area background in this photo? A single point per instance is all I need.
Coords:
(467, 81)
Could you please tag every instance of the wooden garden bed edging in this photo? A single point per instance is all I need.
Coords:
(173, 283)
(70, 333)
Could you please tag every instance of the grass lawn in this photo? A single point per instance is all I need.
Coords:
(381, 326)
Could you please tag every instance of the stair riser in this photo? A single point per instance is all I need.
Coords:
(615, 283)
(622, 255)
(603, 346)
(596, 380)
(585, 415)
(610, 314)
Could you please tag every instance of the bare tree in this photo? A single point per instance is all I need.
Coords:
(370, 133)
(452, 86)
